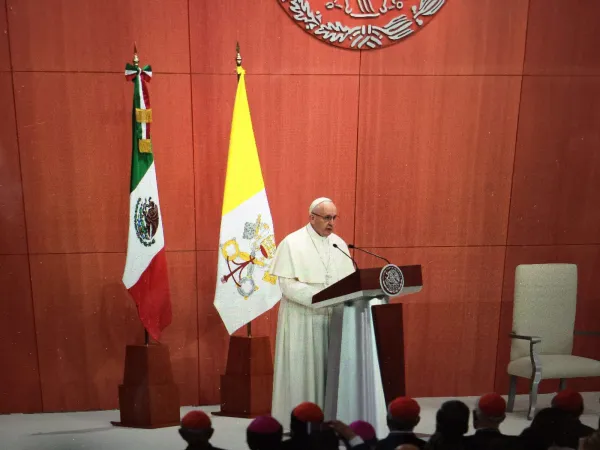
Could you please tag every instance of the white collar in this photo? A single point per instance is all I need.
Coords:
(313, 234)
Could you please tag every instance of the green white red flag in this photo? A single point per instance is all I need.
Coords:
(145, 275)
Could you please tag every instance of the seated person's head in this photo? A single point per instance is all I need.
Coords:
(196, 429)
(365, 431)
(306, 417)
(403, 414)
(264, 433)
(569, 401)
(489, 412)
(552, 427)
(452, 419)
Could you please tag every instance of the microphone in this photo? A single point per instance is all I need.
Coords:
(370, 253)
(351, 258)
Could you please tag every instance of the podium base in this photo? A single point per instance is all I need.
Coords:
(148, 397)
(247, 386)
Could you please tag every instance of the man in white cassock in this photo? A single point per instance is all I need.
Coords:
(305, 263)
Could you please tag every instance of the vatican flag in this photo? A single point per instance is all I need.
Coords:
(245, 288)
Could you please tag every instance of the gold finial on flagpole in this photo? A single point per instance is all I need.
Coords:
(238, 56)
(136, 59)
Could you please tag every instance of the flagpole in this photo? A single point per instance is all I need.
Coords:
(238, 63)
(136, 63)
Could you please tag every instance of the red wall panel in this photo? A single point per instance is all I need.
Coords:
(4, 51)
(87, 36)
(465, 37)
(182, 335)
(556, 184)
(75, 144)
(453, 322)
(213, 339)
(85, 318)
(304, 153)
(12, 218)
(270, 41)
(435, 160)
(562, 38)
(450, 348)
(19, 375)
(450, 274)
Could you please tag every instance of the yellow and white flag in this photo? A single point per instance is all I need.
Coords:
(245, 288)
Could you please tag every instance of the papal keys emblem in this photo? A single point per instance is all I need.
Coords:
(361, 24)
(241, 264)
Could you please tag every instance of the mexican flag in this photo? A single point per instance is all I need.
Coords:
(245, 288)
(145, 275)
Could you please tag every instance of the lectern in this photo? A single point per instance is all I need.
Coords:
(365, 366)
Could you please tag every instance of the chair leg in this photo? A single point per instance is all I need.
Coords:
(562, 384)
(533, 392)
(512, 392)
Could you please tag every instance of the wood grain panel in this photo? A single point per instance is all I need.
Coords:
(587, 258)
(182, 335)
(557, 165)
(270, 41)
(213, 339)
(450, 348)
(435, 160)
(458, 308)
(450, 274)
(13, 237)
(98, 36)
(4, 52)
(84, 318)
(75, 142)
(466, 37)
(305, 151)
(213, 98)
(453, 322)
(19, 376)
(562, 38)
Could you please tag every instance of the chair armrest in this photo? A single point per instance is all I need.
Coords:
(586, 333)
(531, 339)
(534, 357)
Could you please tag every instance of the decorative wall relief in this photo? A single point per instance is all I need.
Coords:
(361, 24)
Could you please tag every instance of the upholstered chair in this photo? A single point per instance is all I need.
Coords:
(545, 301)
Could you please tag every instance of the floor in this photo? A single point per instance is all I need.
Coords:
(92, 430)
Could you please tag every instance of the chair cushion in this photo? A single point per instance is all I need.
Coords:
(557, 366)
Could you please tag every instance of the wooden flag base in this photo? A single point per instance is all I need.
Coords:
(247, 386)
(148, 397)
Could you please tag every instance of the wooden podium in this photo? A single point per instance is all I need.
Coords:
(360, 298)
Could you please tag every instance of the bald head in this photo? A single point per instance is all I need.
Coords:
(322, 216)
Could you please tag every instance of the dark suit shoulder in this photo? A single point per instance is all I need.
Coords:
(489, 440)
(393, 440)
(583, 430)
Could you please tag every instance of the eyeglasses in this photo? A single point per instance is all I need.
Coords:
(327, 218)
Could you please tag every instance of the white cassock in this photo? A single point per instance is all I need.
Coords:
(305, 264)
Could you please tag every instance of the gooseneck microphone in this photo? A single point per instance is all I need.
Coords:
(351, 258)
(370, 253)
